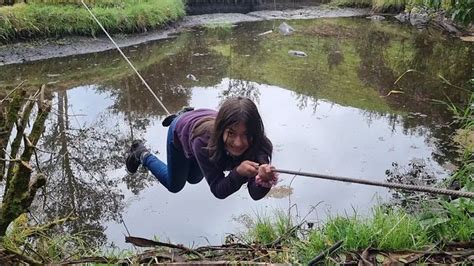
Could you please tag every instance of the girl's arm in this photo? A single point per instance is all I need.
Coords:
(258, 192)
(221, 186)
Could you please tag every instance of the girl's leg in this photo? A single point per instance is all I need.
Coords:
(178, 167)
(173, 176)
(156, 167)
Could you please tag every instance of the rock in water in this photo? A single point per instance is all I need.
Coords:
(297, 53)
(285, 29)
(376, 17)
(191, 77)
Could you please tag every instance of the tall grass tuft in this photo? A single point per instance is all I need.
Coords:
(268, 229)
(387, 229)
(389, 5)
(352, 3)
(50, 18)
(451, 220)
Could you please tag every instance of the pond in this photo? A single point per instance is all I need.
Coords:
(336, 111)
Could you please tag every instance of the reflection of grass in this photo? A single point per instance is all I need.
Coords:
(224, 26)
(312, 76)
(222, 49)
(89, 69)
(221, 30)
(44, 244)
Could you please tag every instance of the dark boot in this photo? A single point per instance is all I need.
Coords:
(135, 156)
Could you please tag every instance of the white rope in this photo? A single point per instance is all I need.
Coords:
(126, 58)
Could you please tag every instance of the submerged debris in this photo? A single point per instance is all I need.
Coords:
(191, 77)
(297, 53)
(285, 29)
(265, 33)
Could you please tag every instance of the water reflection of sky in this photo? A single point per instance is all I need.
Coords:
(330, 116)
(330, 139)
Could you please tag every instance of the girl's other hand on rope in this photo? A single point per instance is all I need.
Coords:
(248, 168)
(266, 177)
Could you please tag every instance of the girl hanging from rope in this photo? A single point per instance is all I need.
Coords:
(205, 143)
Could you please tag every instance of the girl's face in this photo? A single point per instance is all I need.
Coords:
(236, 139)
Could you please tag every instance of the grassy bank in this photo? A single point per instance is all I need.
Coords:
(461, 11)
(392, 233)
(55, 18)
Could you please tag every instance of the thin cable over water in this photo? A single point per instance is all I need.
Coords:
(126, 58)
(464, 194)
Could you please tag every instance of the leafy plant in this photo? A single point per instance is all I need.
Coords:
(460, 10)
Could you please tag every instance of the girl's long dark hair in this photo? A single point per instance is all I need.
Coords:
(232, 111)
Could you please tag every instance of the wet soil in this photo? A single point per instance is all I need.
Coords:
(51, 48)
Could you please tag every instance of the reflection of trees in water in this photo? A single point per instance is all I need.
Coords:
(380, 69)
(18, 142)
(77, 171)
(415, 173)
(238, 70)
(303, 101)
(237, 87)
(167, 78)
(373, 70)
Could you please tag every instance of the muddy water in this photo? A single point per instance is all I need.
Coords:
(335, 111)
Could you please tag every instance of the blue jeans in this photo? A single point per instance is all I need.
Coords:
(179, 169)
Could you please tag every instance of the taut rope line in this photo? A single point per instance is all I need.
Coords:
(464, 194)
(126, 58)
(335, 178)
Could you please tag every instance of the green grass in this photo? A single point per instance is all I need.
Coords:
(55, 19)
(389, 5)
(47, 246)
(377, 5)
(352, 3)
(266, 229)
(461, 11)
(386, 229)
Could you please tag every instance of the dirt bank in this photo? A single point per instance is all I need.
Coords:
(44, 49)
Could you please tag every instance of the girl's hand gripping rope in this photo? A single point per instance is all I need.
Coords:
(248, 168)
(266, 177)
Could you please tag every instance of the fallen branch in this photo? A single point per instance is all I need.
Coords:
(142, 242)
(326, 252)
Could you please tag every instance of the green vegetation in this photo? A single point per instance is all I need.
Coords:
(439, 220)
(461, 11)
(353, 3)
(267, 230)
(390, 228)
(388, 5)
(61, 18)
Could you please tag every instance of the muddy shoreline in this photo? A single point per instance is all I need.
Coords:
(51, 48)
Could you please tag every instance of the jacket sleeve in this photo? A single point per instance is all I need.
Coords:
(221, 186)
